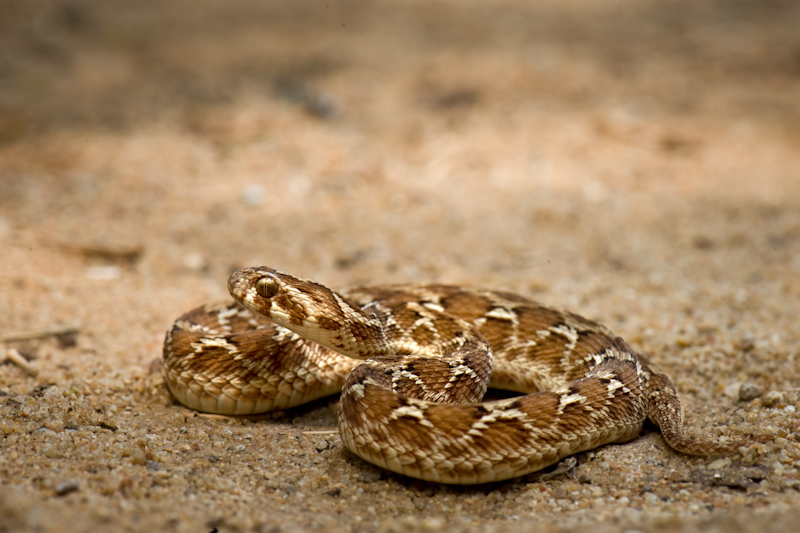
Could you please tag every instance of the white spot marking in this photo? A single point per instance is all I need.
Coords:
(225, 314)
(412, 411)
(434, 307)
(212, 342)
(502, 313)
(568, 333)
(572, 398)
(357, 391)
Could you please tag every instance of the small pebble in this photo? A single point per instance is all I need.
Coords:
(369, 476)
(103, 273)
(651, 498)
(138, 456)
(716, 465)
(253, 194)
(65, 487)
(195, 261)
(749, 391)
(771, 399)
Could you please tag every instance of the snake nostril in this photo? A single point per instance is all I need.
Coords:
(267, 287)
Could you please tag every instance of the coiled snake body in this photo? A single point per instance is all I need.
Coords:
(413, 363)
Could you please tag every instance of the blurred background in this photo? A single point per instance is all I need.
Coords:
(490, 143)
(421, 139)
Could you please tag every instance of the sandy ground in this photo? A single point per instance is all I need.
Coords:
(637, 162)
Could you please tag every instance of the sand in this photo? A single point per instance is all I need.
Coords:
(636, 162)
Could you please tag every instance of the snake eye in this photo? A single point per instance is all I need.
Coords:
(267, 287)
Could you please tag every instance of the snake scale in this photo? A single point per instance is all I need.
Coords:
(413, 362)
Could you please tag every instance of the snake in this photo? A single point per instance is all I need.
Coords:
(412, 363)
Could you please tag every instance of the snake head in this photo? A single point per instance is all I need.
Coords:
(306, 307)
(266, 291)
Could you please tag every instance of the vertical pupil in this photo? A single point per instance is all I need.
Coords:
(266, 287)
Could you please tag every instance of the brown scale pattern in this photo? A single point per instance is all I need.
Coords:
(430, 352)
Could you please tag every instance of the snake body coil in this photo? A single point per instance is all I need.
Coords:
(413, 363)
